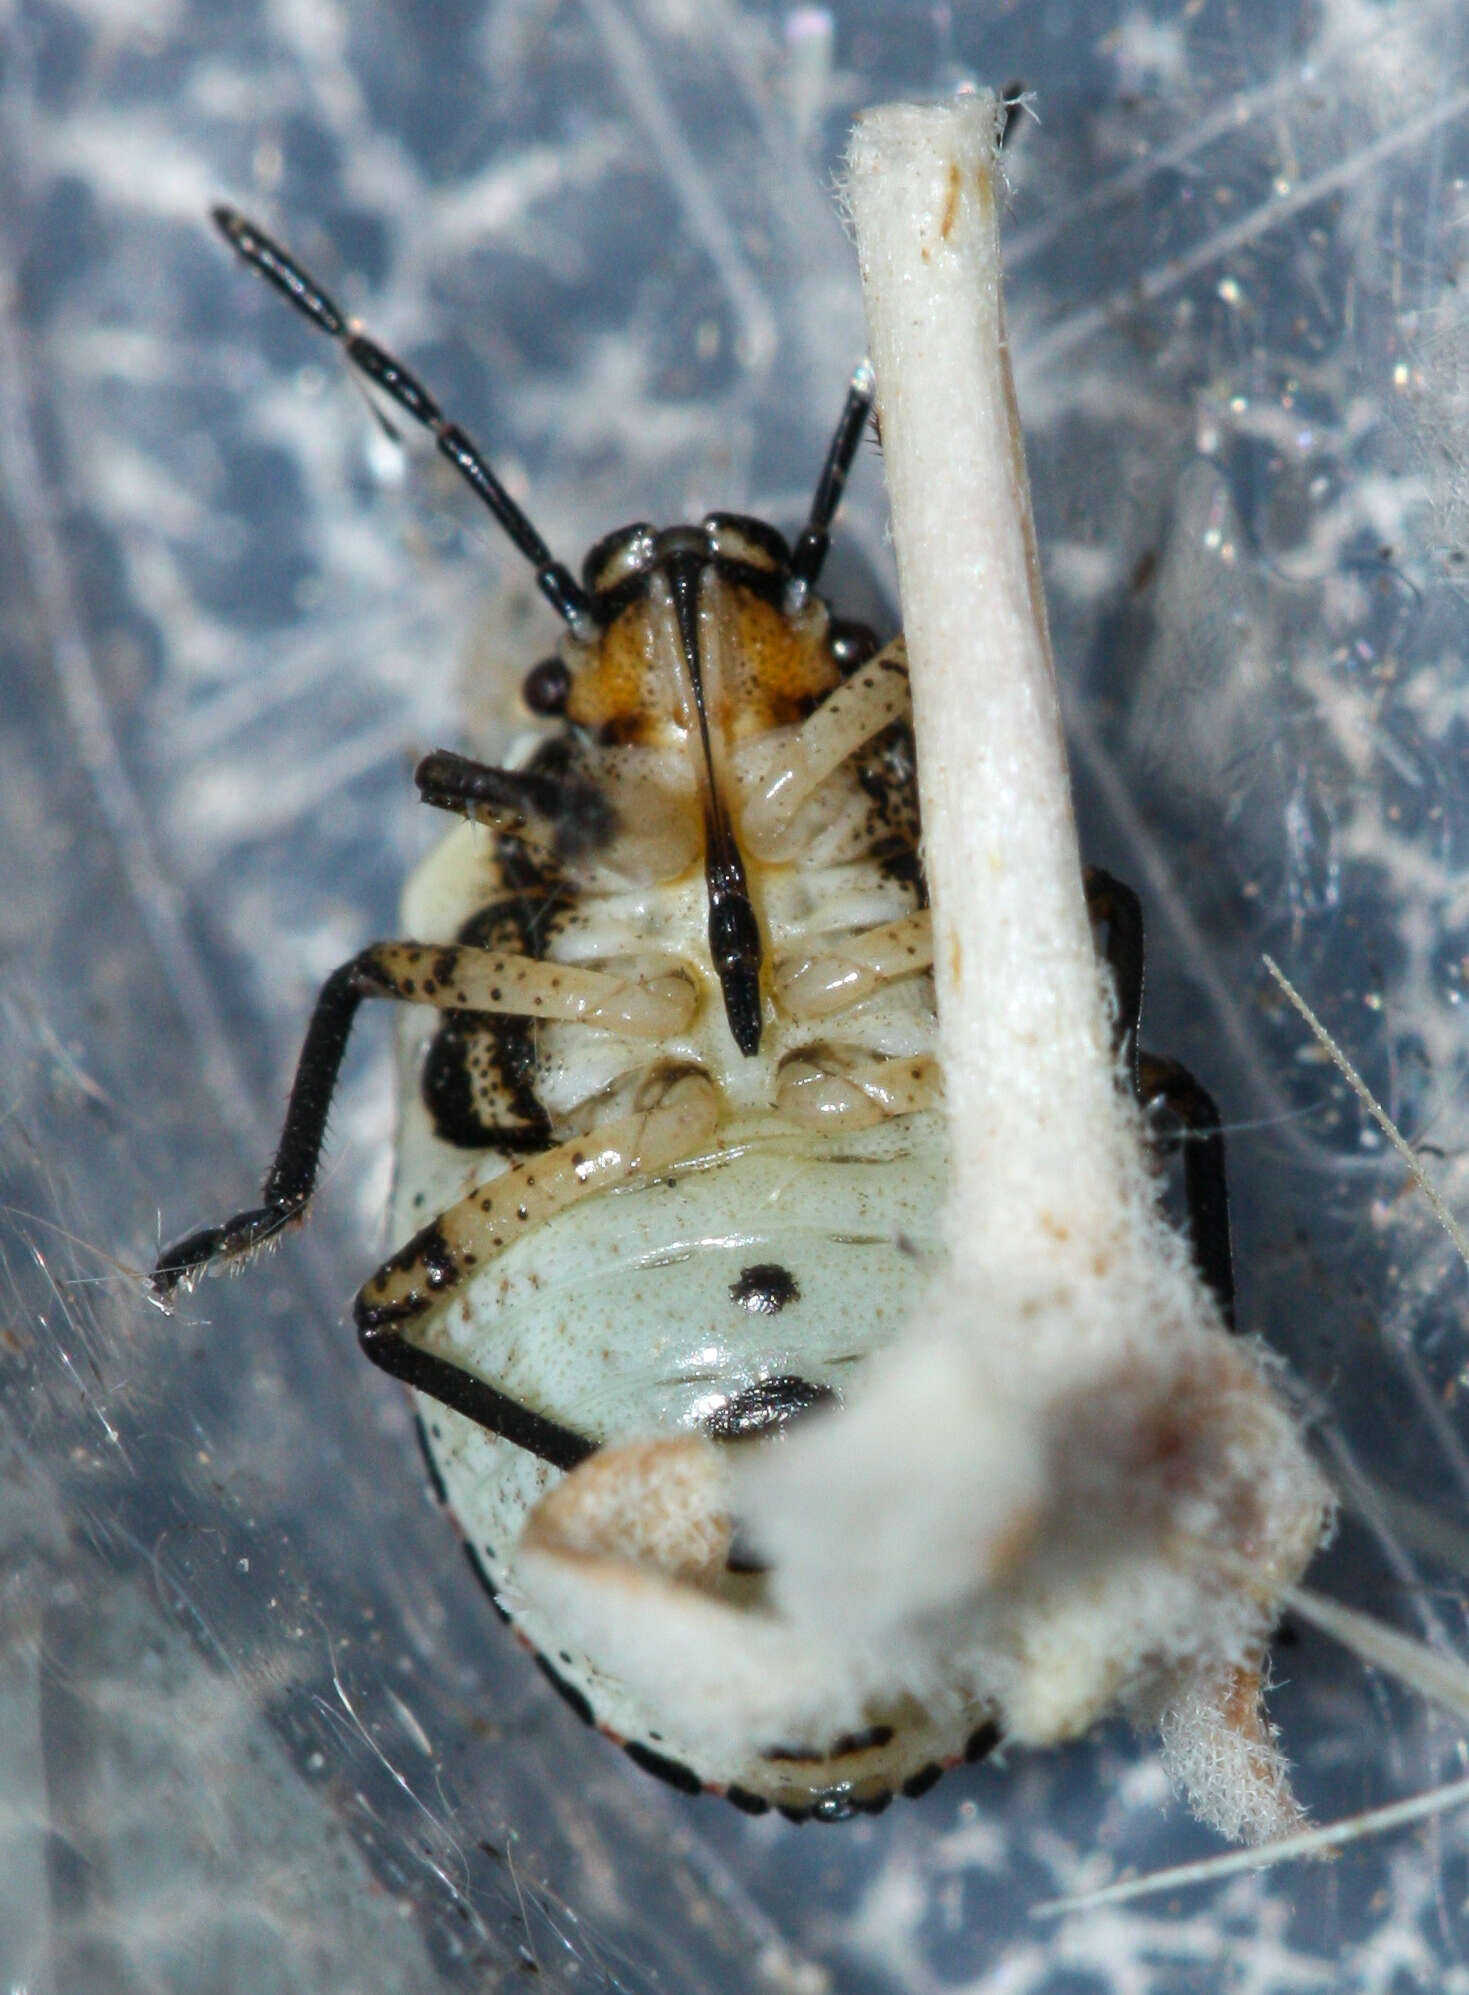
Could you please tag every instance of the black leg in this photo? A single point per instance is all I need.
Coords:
(1112, 902)
(815, 540)
(292, 1176)
(556, 582)
(381, 971)
(449, 977)
(449, 1264)
(559, 814)
(1205, 1186)
(383, 1342)
(1204, 1180)
(1011, 99)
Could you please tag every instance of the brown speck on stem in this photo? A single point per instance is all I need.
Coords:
(951, 201)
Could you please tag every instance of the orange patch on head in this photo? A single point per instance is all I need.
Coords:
(615, 691)
(774, 669)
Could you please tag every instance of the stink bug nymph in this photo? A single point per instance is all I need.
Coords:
(672, 1153)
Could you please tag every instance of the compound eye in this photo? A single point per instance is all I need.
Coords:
(751, 542)
(852, 644)
(547, 686)
(618, 557)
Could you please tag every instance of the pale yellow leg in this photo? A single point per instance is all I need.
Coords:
(823, 1091)
(862, 706)
(455, 1248)
(852, 969)
(465, 979)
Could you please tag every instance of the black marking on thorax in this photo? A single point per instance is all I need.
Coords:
(478, 1079)
(886, 771)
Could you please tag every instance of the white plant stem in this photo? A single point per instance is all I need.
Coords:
(1027, 1070)
(1066, 1488)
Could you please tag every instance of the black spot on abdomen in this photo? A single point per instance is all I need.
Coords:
(765, 1289)
(770, 1404)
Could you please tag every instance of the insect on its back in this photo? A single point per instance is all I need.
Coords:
(671, 1154)
(703, 843)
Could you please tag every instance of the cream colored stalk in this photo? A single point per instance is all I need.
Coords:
(1067, 1488)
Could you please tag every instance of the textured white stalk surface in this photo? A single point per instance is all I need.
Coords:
(1067, 1486)
(1026, 1068)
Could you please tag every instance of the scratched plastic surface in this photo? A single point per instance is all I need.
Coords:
(258, 1726)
